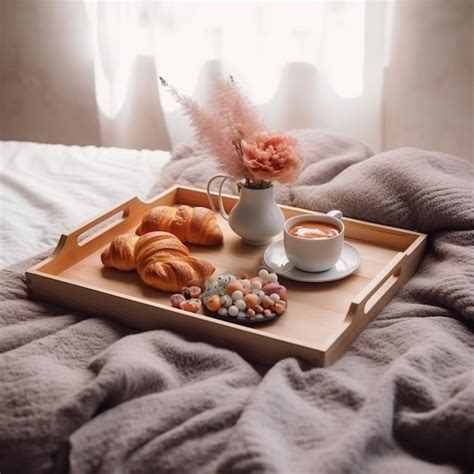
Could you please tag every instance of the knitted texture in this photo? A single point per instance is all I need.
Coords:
(88, 395)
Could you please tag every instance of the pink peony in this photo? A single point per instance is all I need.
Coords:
(272, 158)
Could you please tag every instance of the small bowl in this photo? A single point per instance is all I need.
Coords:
(242, 321)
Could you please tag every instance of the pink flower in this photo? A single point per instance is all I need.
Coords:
(273, 157)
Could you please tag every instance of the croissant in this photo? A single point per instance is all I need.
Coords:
(164, 262)
(120, 253)
(194, 225)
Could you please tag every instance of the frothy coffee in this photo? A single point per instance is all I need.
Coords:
(313, 230)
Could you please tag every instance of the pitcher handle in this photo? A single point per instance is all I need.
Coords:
(209, 197)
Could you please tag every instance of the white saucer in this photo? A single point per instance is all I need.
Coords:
(275, 258)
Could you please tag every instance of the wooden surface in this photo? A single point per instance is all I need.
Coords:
(321, 321)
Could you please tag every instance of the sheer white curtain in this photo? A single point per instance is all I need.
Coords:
(309, 64)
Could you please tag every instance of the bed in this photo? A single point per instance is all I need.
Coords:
(48, 189)
(83, 394)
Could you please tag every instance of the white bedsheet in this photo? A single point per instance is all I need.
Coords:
(46, 190)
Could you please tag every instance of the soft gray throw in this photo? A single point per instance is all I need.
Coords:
(89, 395)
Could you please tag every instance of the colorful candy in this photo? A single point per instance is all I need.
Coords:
(260, 297)
(237, 295)
(267, 302)
(279, 308)
(250, 313)
(251, 300)
(276, 288)
(256, 283)
(226, 301)
(241, 305)
(176, 300)
(234, 286)
(194, 291)
(213, 303)
(272, 278)
(263, 274)
(223, 280)
(193, 305)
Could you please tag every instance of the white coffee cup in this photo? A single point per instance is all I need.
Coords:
(314, 255)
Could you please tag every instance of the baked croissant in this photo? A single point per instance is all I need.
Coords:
(194, 225)
(164, 262)
(120, 253)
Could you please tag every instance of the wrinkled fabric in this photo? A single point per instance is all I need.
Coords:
(88, 395)
(46, 190)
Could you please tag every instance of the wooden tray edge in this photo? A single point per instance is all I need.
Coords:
(402, 267)
(207, 329)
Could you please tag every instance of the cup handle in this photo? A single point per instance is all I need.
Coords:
(209, 197)
(336, 214)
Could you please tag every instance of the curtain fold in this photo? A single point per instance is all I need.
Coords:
(316, 64)
(390, 73)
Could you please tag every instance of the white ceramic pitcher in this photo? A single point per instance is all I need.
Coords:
(256, 218)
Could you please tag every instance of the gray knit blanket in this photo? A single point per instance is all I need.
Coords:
(83, 394)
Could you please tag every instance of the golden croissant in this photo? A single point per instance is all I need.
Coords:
(120, 253)
(194, 225)
(164, 262)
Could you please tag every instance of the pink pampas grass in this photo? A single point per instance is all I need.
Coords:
(239, 116)
(217, 130)
(231, 131)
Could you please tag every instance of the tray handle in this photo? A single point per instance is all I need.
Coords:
(70, 239)
(377, 292)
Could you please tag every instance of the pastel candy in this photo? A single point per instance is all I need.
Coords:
(250, 313)
(193, 305)
(276, 288)
(176, 300)
(213, 303)
(237, 295)
(234, 286)
(267, 302)
(194, 291)
(263, 274)
(224, 280)
(241, 305)
(226, 301)
(256, 283)
(272, 278)
(279, 308)
(251, 300)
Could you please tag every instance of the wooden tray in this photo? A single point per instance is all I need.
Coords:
(322, 318)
